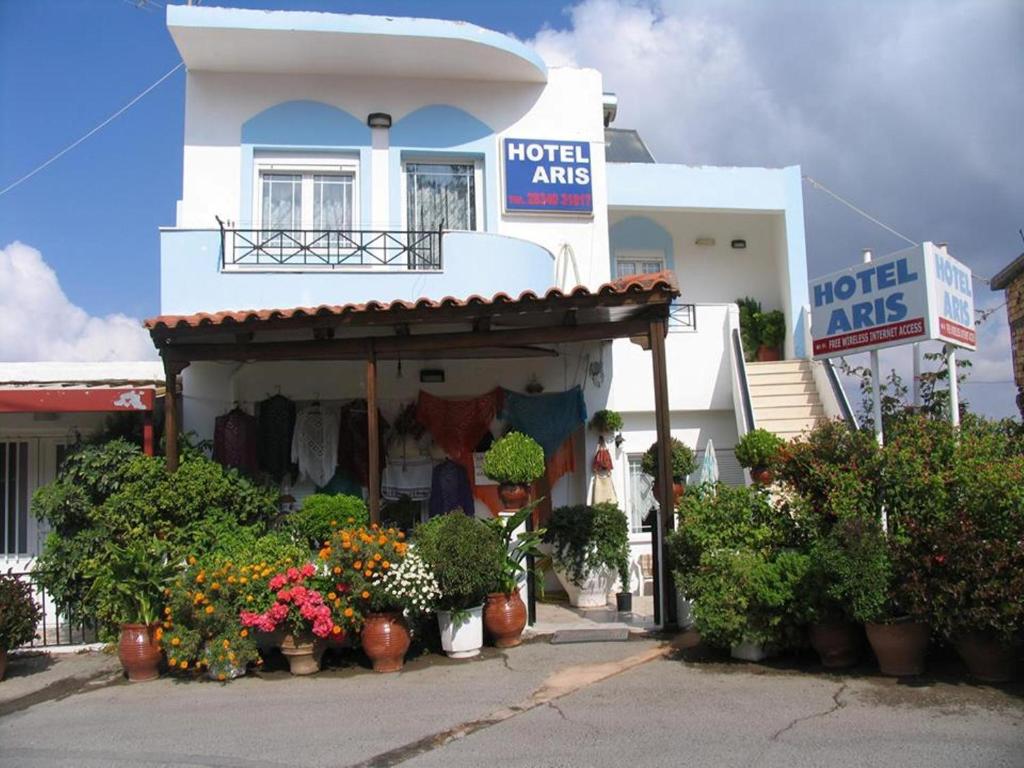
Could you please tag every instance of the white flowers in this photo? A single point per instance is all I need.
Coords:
(411, 584)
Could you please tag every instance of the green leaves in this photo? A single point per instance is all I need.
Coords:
(19, 613)
(466, 556)
(514, 458)
(588, 538)
(758, 448)
(322, 513)
(683, 461)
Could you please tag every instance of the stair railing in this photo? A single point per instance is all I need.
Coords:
(740, 364)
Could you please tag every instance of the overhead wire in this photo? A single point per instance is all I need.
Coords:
(92, 132)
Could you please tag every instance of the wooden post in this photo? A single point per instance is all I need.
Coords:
(373, 438)
(147, 433)
(666, 509)
(172, 419)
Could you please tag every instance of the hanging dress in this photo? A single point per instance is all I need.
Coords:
(602, 489)
(458, 425)
(235, 436)
(548, 418)
(450, 490)
(407, 471)
(315, 442)
(354, 440)
(276, 425)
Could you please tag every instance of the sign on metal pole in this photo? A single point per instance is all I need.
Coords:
(919, 294)
(546, 176)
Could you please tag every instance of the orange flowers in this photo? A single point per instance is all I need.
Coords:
(365, 595)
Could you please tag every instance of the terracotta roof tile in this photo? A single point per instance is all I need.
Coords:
(634, 284)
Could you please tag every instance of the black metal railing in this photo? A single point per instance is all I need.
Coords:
(58, 626)
(682, 318)
(331, 249)
(741, 374)
(840, 394)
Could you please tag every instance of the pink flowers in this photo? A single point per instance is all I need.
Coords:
(294, 603)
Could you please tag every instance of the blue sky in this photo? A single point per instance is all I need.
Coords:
(912, 109)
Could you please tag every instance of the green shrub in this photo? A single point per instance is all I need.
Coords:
(19, 613)
(759, 448)
(750, 309)
(607, 422)
(322, 513)
(514, 458)
(589, 538)
(771, 327)
(465, 555)
(128, 581)
(683, 461)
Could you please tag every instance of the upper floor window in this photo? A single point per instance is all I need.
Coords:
(442, 195)
(631, 263)
(306, 193)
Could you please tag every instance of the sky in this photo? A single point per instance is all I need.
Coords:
(913, 110)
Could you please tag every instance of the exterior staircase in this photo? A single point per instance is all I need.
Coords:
(784, 397)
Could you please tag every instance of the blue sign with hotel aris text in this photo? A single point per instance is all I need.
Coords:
(544, 176)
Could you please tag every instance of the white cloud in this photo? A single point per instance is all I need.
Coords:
(39, 322)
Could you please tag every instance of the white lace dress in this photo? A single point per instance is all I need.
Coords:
(315, 442)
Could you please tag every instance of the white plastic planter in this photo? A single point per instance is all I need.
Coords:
(748, 651)
(462, 639)
(684, 612)
(592, 592)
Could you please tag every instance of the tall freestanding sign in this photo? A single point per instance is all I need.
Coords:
(920, 294)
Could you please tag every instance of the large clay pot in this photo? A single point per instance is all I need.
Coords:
(3, 662)
(303, 653)
(677, 492)
(462, 632)
(989, 660)
(762, 475)
(837, 643)
(139, 652)
(768, 354)
(900, 647)
(385, 638)
(514, 495)
(505, 619)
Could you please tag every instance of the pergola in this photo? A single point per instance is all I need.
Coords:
(526, 326)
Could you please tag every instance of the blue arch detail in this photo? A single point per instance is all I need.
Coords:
(438, 126)
(305, 123)
(640, 233)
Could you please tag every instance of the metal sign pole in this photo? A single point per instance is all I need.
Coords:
(954, 387)
(876, 379)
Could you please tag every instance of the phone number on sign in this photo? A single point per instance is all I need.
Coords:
(564, 200)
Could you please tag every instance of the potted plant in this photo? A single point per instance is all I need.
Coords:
(19, 615)
(131, 580)
(466, 557)
(750, 310)
(757, 451)
(504, 611)
(624, 597)
(735, 555)
(607, 422)
(683, 463)
(322, 513)
(388, 583)
(771, 330)
(514, 462)
(590, 545)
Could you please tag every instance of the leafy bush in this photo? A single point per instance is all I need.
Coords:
(516, 547)
(589, 538)
(111, 494)
(607, 422)
(514, 458)
(758, 449)
(322, 513)
(358, 559)
(771, 327)
(739, 559)
(750, 309)
(128, 581)
(683, 461)
(19, 613)
(465, 555)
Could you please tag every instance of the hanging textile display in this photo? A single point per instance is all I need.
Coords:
(276, 424)
(235, 436)
(602, 488)
(342, 482)
(407, 472)
(450, 490)
(548, 418)
(354, 442)
(458, 425)
(315, 442)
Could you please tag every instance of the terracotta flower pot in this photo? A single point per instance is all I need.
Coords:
(768, 354)
(900, 647)
(989, 659)
(514, 495)
(303, 653)
(3, 662)
(505, 619)
(139, 652)
(677, 491)
(385, 639)
(762, 475)
(837, 643)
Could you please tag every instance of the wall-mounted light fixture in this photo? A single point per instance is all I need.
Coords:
(704, 241)
(378, 120)
(739, 243)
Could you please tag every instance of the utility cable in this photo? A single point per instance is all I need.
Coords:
(95, 130)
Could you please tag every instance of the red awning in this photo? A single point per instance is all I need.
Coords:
(23, 399)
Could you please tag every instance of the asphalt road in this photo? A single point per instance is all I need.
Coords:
(615, 704)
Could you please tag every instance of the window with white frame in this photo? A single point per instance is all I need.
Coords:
(294, 193)
(629, 263)
(442, 195)
(640, 497)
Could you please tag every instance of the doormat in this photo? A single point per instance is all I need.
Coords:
(590, 636)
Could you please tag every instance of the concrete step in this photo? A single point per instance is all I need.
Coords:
(784, 427)
(806, 411)
(771, 379)
(780, 390)
(769, 399)
(782, 366)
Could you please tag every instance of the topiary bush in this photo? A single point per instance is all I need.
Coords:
(683, 461)
(589, 538)
(465, 555)
(19, 613)
(322, 513)
(607, 422)
(515, 459)
(758, 449)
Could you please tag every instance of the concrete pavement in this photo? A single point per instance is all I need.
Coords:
(609, 704)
